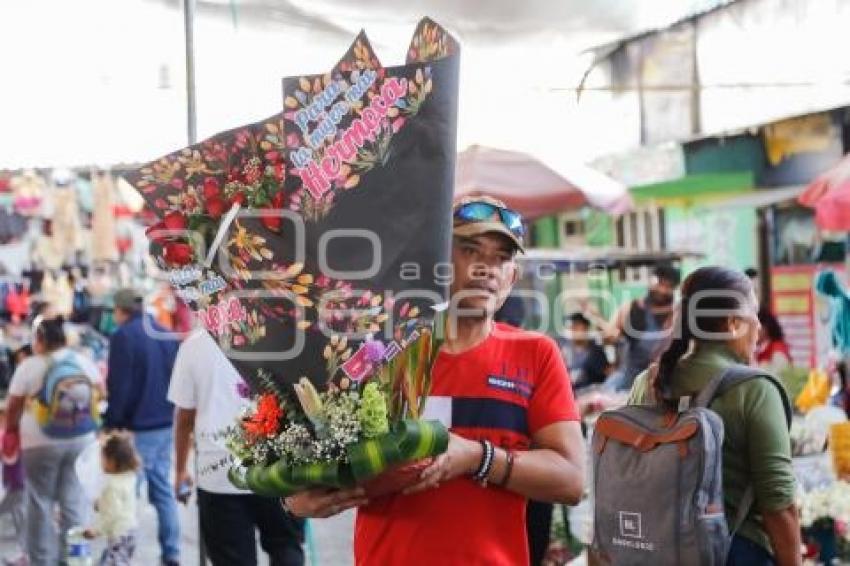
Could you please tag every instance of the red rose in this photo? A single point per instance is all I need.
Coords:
(271, 220)
(174, 221)
(216, 207)
(278, 200)
(177, 253)
(211, 188)
(238, 198)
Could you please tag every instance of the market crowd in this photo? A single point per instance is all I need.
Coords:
(163, 397)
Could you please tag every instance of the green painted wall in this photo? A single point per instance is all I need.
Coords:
(715, 155)
(696, 187)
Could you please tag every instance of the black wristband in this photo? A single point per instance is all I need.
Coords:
(487, 457)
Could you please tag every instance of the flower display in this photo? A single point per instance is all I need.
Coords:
(339, 433)
(248, 228)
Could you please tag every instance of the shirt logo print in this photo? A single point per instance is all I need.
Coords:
(512, 382)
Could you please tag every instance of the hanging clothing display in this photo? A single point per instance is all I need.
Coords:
(67, 228)
(57, 293)
(103, 220)
(827, 283)
(28, 188)
(48, 252)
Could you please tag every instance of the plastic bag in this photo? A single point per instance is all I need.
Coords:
(815, 393)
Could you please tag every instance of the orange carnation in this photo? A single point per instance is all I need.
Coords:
(266, 420)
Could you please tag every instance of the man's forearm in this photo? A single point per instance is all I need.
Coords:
(783, 529)
(14, 411)
(541, 474)
(184, 425)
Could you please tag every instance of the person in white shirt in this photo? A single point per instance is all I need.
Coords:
(117, 515)
(209, 396)
(48, 461)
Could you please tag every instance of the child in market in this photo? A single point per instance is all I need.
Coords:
(116, 506)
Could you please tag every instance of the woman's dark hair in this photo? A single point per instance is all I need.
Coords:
(771, 325)
(706, 289)
(51, 333)
(118, 449)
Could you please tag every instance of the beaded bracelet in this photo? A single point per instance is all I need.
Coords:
(487, 457)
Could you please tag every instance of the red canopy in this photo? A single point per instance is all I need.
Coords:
(829, 195)
(534, 188)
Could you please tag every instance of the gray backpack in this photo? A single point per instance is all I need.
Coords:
(658, 480)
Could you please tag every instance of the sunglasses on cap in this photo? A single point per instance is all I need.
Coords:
(483, 211)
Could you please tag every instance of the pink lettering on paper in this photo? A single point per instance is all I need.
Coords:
(314, 179)
(217, 317)
(317, 178)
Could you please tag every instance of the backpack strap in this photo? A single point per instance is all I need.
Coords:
(719, 385)
(42, 391)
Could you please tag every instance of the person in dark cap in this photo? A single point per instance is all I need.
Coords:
(584, 357)
(141, 357)
(641, 323)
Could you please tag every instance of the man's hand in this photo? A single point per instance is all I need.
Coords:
(461, 458)
(182, 485)
(11, 447)
(323, 503)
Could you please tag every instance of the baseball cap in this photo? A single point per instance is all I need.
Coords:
(127, 299)
(476, 215)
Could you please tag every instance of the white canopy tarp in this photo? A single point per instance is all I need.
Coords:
(536, 188)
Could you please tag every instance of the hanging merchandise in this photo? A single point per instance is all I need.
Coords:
(48, 251)
(67, 229)
(103, 220)
(64, 296)
(81, 297)
(29, 193)
(827, 283)
(12, 226)
(18, 303)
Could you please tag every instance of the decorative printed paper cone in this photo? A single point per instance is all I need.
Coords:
(311, 246)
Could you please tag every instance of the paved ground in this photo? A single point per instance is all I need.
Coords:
(330, 541)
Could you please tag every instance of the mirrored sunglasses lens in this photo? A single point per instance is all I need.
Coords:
(475, 211)
(513, 221)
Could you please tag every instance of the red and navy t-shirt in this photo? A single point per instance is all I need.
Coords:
(504, 389)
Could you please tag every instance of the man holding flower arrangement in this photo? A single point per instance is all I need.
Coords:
(506, 398)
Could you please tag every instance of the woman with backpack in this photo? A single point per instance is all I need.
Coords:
(51, 418)
(756, 450)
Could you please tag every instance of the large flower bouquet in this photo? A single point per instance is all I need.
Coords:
(349, 433)
(266, 232)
